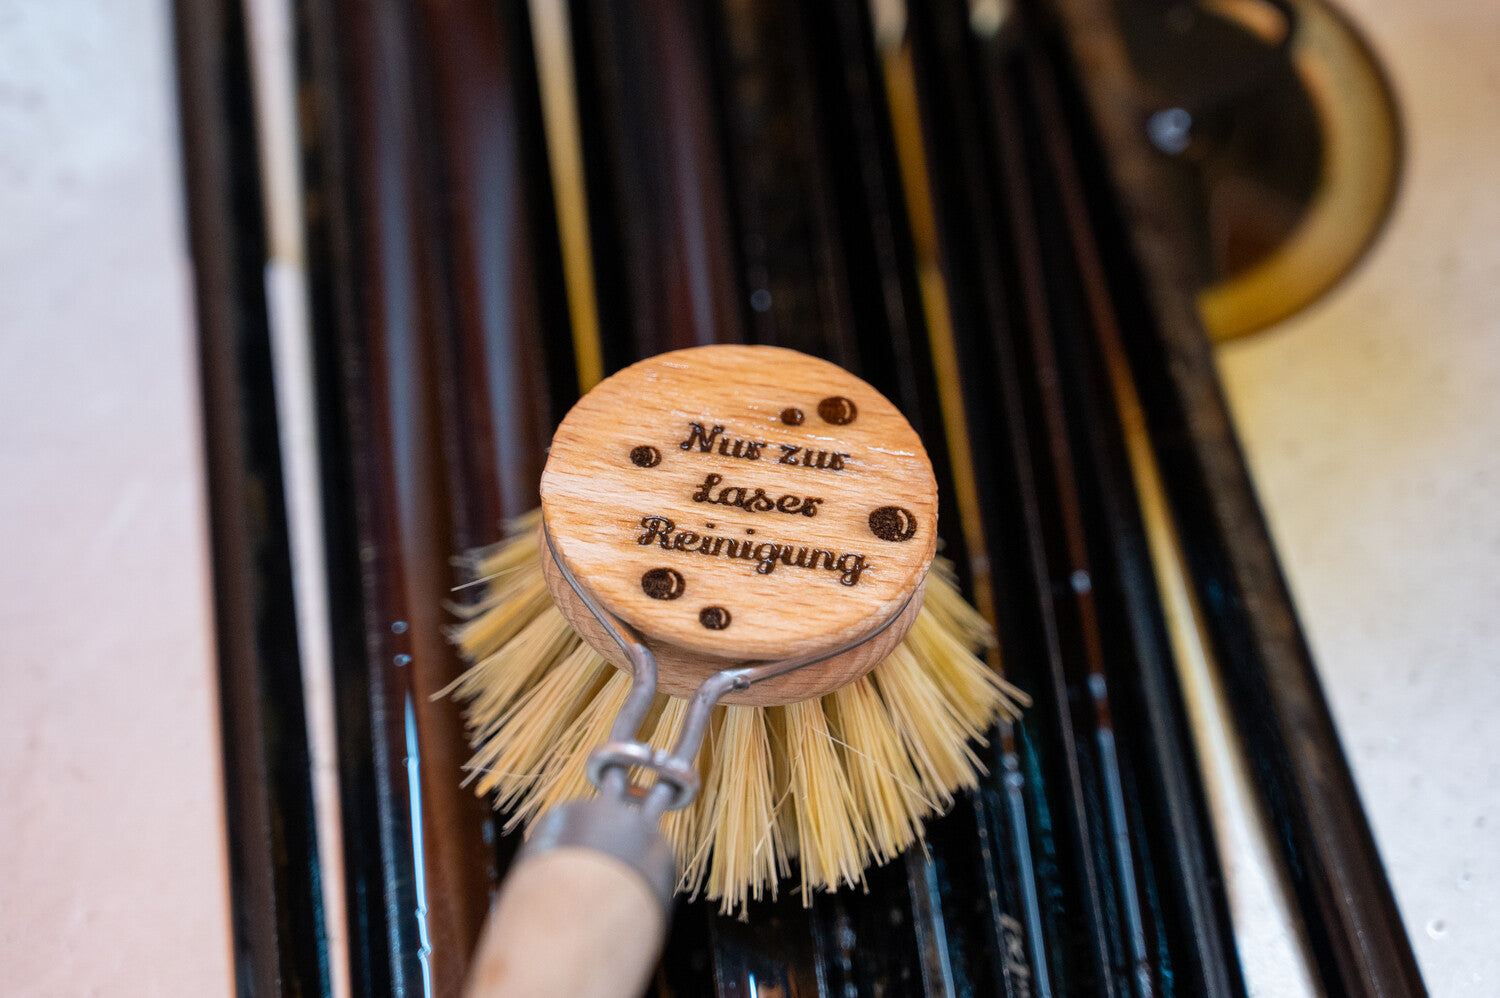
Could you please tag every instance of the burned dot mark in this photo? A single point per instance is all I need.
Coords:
(645, 456)
(792, 416)
(715, 618)
(749, 530)
(710, 526)
(893, 523)
(837, 410)
(663, 583)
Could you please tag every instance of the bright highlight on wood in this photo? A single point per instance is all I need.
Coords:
(829, 785)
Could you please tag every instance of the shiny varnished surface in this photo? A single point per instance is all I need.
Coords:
(432, 276)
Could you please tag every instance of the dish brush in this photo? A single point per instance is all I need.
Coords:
(722, 650)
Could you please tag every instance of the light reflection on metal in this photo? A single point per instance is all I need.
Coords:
(418, 850)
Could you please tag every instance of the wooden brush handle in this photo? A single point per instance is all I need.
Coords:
(584, 909)
(569, 923)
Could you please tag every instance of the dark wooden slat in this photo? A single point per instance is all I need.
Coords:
(330, 238)
(1170, 797)
(774, 951)
(1148, 951)
(273, 857)
(1075, 949)
(500, 259)
(368, 298)
(791, 251)
(663, 251)
(444, 360)
(1070, 561)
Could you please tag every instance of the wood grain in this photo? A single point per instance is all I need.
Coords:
(739, 503)
(569, 923)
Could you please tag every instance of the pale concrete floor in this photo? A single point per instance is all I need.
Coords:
(1370, 422)
(112, 857)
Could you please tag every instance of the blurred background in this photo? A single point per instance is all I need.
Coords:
(1335, 170)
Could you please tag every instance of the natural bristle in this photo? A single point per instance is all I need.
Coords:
(880, 771)
(534, 724)
(738, 812)
(833, 846)
(836, 783)
(565, 776)
(928, 726)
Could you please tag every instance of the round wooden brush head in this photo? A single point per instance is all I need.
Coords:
(739, 504)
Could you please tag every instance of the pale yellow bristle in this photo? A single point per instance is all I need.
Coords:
(514, 748)
(495, 681)
(974, 693)
(945, 606)
(832, 842)
(700, 846)
(499, 623)
(565, 776)
(514, 591)
(933, 734)
(944, 637)
(880, 772)
(781, 782)
(739, 813)
(835, 783)
(518, 550)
